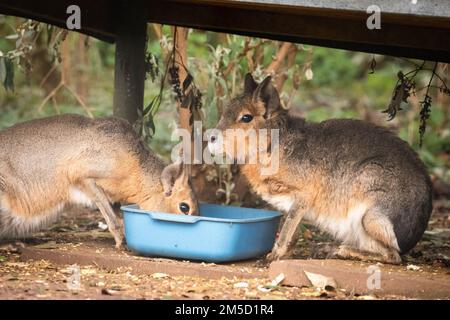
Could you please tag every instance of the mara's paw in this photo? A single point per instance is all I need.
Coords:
(393, 257)
(346, 252)
(120, 241)
(272, 256)
(121, 246)
(343, 252)
(278, 253)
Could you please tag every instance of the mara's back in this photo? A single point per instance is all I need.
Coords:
(32, 150)
(44, 153)
(344, 146)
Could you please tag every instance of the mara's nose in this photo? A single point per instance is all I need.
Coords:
(212, 138)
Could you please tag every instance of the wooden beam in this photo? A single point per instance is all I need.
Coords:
(432, 9)
(129, 73)
(416, 30)
(96, 17)
(417, 34)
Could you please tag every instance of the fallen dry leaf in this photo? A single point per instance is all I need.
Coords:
(102, 226)
(109, 292)
(265, 288)
(321, 281)
(159, 275)
(366, 298)
(241, 285)
(311, 294)
(278, 279)
(274, 284)
(412, 267)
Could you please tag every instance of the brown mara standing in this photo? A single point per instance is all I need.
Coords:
(355, 180)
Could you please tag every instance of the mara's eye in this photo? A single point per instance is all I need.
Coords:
(247, 118)
(184, 207)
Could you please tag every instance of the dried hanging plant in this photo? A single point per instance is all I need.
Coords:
(151, 66)
(402, 91)
(186, 93)
(426, 107)
(424, 116)
(406, 86)
(373, 65)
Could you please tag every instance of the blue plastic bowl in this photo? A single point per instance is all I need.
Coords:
(219, 234)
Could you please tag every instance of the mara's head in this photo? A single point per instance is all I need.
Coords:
(258, 108)
(178, 196)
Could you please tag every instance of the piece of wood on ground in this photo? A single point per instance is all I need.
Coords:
(361, 278)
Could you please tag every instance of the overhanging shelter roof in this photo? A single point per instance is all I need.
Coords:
(410, 28)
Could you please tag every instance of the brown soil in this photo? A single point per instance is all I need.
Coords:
(42, 279)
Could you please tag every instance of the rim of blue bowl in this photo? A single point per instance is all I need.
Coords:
(193, 219)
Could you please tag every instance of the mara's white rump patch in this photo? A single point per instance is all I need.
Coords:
(281, 202)
(79, 197)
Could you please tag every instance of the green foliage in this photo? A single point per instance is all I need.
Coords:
(332, 70)
(323, 113)
(23, 37)
(7, 73)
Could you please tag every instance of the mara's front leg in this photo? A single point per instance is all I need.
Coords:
(101, 200)
(288, 235)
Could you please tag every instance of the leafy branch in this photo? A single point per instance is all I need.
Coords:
(25, 37)
(186, 92)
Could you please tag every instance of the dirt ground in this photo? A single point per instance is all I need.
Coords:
(45, 280)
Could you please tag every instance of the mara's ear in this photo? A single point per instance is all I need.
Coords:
(249, 85)
(168, 177)
(183, 176)
(268, 94)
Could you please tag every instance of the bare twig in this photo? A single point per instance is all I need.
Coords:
(276, 63)
(63, 84)
(80, 101)
(280, 65)
(55, 105)
(50, 95)
(44, 80)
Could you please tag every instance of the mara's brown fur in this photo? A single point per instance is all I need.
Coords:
(50, 163)
(355, 180)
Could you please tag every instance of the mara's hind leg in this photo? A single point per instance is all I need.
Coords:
(380, 229)
(102, 202)
(379, 242)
